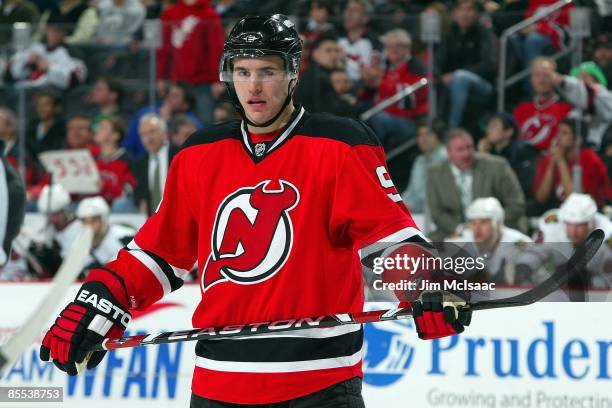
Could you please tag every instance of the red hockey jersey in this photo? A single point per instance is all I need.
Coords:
(276, 227)
(538, 120)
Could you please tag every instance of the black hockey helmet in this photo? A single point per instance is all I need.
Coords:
(258, 36)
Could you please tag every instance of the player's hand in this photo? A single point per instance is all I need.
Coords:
(439, 314)
(95, 314)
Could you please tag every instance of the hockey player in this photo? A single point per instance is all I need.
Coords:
(108, 239)
(498, 244)
(53, 243)
(276, 209)
(12, 202)
(563, 228)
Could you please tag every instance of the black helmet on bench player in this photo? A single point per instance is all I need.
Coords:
(258, 36)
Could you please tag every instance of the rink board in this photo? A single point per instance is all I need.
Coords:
(548, 355)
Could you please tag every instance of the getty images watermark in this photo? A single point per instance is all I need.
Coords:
(415, 272)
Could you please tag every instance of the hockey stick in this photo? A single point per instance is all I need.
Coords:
(67, 273)
(581, 256)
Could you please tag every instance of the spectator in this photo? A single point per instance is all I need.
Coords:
(181, 127)
(397, 122)
(318, 20)
(179, 100)
(343, 85)
(16, 11)
(466, 59)
(224, 111)
(51, 245)
(8, 134)
(152, 169)
(602, 54)
(554, 179)
(548, 33)
(315, 90)
(359, 44)
(192, 34)
(119, 21)
(538, 119)
(81, 20)
(466, 175)
(80, 134)
(493, 241)
(107, 94)
(432, 151)
(113, 164)
(501, 140)
(48, 130)
(48, 64)
(585, 88)
(107, 239)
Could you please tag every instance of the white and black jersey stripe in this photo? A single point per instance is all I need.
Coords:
(305, 350)
(169, 277)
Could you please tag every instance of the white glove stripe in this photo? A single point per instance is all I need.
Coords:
(100, 325)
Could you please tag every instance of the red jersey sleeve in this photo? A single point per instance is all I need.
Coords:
(165, 248)
(366, 206)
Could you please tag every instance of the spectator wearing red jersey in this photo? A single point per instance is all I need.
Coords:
(192, 44)
(117, 180)
(554, 173)
(538, 119)
(398, 120)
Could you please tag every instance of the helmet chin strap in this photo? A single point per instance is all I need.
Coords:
(267, 123)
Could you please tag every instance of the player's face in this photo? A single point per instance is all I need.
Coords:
(482, 229)
(261, 85)
(577, 232)
(58, 219)
(96, 224)
(461, 152)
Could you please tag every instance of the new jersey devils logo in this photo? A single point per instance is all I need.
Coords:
(537, 129)
(252, 236)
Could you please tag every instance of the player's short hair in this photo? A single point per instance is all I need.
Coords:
(456, 133)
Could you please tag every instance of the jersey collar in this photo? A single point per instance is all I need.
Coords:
(259, 151)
